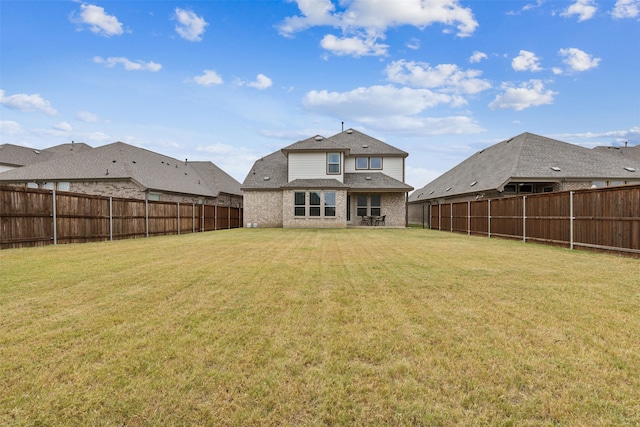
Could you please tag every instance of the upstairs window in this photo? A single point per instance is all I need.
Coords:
(368, 162)
(333, 163)
(375, 163)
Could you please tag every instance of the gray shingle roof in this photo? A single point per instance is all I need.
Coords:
(526, 157)
(120, 161)
(374, 181)
(360, 144)
(267, 173)
(16, 155)
(315, 183)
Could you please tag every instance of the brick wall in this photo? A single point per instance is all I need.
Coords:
(263, 208)
(291, 221)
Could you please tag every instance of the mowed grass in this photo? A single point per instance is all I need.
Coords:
(318, 327)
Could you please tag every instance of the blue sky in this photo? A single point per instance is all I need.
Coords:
(231, 81)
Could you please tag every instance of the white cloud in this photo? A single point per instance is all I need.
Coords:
(208, 78)
(446, 77)
(378, 101)
(585, 9)
(578, 60)
(526, 61)
(24, 102)
(63, 126)
(354, 46)
(128, 64)
(87, 117)
(477, 57)
(413, 44)
(190, 26)
(417, 176)
(626, 9)
(98, 20)
(262, 82)
(10, 127)
(529, 94)
(372, 18)
(234, 160)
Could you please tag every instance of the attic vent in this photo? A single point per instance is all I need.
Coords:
(474, 183)
(133, 161)
(36, 151)
(319, 138)
(113, 161)
(555, 168)
(349, 131)
(431, 192)
(448, 188)
(266, 178)
(368, 178)
(365, 145)
(630, 169)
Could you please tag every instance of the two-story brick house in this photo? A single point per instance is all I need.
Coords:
(344, 180)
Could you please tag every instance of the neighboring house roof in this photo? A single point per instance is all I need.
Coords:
(16, 155)
(626, 152)
(270, 172)
(527, 157)
(120, 161)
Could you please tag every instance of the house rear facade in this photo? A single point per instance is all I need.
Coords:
(336, 182)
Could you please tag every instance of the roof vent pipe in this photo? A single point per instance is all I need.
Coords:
(186, 162)
(342, 126)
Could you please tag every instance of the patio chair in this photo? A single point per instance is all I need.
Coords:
(380, 220)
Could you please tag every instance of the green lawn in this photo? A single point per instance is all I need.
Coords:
(318, 327)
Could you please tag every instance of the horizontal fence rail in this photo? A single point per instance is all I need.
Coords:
(603, 219)
(34, 217)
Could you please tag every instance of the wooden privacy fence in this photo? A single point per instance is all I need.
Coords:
(32, 217)
(604, 219)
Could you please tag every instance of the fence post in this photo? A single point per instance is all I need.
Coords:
(571, 218)
(55, 219)
(215, 217)
(202, 224)
(489, 218)
(146, 217)
(469, 217)
(229, 217)
(193, 217)
(524, 218)
(178, 218)
(439, 216)
(110, 218)
(451, 216)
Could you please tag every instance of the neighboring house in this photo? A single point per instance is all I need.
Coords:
(528, 164)
(15, 156)
(328, 182)
(122, 170)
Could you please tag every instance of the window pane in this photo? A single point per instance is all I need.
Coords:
(362, 211)
(362, 200)
(329, 211)
(375, 211)
(314, 198)
(375, 163)
(330, 198)
(362, 163)
(299, 198)
(333, 163)
(314, 211)
(375, 200)
(299, 210)
(334, 158)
